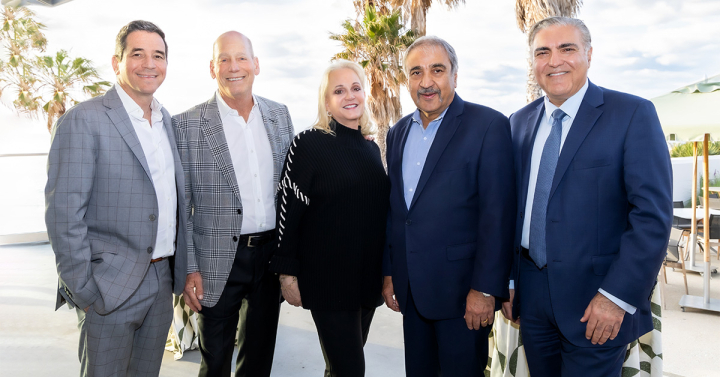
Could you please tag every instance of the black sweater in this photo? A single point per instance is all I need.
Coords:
(332, 213)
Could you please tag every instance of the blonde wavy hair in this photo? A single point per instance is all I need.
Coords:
(322, 122)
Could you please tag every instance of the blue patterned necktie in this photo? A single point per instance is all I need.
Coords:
(546, 173)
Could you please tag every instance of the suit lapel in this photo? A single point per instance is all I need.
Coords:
(534, 119)
(397, 167)
(212, 128)
(586, 117)
(270, 121)
(119, 117)
(445, 132)
(179, 175)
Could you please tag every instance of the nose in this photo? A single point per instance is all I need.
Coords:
(555, 60)
(149, 62)
(426, 81)
(234, 65)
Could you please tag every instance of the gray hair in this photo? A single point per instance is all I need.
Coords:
(431, 40)
(138, 25)
(561, 21)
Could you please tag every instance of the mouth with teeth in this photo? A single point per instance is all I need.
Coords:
(147, 76)
(233, 79)
(556, 74)
(351, 106)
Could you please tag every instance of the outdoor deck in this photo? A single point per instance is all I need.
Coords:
(36, 341)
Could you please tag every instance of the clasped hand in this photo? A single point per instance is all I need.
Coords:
(290, 290)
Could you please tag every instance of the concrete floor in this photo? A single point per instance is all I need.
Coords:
(36, 341)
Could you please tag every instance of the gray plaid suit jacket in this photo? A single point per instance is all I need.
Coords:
(101, 206)
(214, 208)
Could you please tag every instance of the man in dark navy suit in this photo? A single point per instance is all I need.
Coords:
(452, 207)
(595, 209)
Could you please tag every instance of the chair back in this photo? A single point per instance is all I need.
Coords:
(673, 253)
(714, 227)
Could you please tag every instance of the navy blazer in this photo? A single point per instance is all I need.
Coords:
(458, 232)
(609, 211)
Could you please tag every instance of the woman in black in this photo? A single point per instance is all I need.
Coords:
(332, 212)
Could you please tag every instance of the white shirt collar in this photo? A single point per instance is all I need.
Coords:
(226, 110)
(133, 109)
(570, 106)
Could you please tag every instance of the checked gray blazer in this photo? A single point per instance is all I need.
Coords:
(101, 206)
(214, 208)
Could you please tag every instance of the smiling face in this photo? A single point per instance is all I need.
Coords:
(345, 97)
(142, 68)
(430, 80)
(560, 62)
(234, 65)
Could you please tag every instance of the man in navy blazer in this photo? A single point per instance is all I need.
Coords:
(452, 206)
(590, 235)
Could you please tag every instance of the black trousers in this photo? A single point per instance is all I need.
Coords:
(342, 337)
(251, 296)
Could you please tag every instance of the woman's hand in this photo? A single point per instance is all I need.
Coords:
(290, 290)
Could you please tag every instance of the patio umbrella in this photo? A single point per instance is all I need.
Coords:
(47, 3)
(692, 113)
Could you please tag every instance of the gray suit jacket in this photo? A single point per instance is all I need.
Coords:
(101, 206)
(214, 208)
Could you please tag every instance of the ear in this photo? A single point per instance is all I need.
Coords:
(212, 69)
(257, 65)
(115, 65)
(455, 80)
(589, 56)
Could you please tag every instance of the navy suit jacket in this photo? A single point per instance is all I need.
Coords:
(609, 212)
(458, 232)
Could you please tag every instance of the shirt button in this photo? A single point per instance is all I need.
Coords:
(425, 138)
(255, 175)
(418, 164)
(152, 217)
(410, 190)
(258, 200)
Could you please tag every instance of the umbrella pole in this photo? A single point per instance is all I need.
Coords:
(705, 302)
(693, 226)
(706, 222)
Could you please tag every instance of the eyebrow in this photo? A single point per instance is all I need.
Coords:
(438, 65)
(563, 45)
(142, 49)
(341, 85)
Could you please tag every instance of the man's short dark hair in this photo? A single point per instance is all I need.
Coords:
(137, 25)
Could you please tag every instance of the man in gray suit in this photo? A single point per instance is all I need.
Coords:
(232, 149)
(112, 204)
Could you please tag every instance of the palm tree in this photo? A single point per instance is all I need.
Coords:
(20, 37)
(415, 10)
(376, 43)
(529, 12)
(60, 75)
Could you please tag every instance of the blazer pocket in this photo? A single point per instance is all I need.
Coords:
(458, 252)
(589, 164)
(601, 263)
(451, 168)
(101, 247)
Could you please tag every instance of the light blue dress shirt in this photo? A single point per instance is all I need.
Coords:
(570, 107)
(417, 146)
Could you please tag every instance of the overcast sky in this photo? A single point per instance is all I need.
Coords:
(644, 47)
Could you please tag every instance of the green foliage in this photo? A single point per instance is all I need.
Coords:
(686, 149)
(41, 84)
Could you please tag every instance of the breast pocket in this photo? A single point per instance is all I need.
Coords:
(590, 164)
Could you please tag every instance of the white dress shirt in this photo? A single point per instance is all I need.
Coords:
(570, 107)
(252, 162)
(158, 153)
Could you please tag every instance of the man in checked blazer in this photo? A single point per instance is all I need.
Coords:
(112, 204)
(232, 149)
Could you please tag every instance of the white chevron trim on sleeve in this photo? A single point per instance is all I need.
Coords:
(287, 183)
